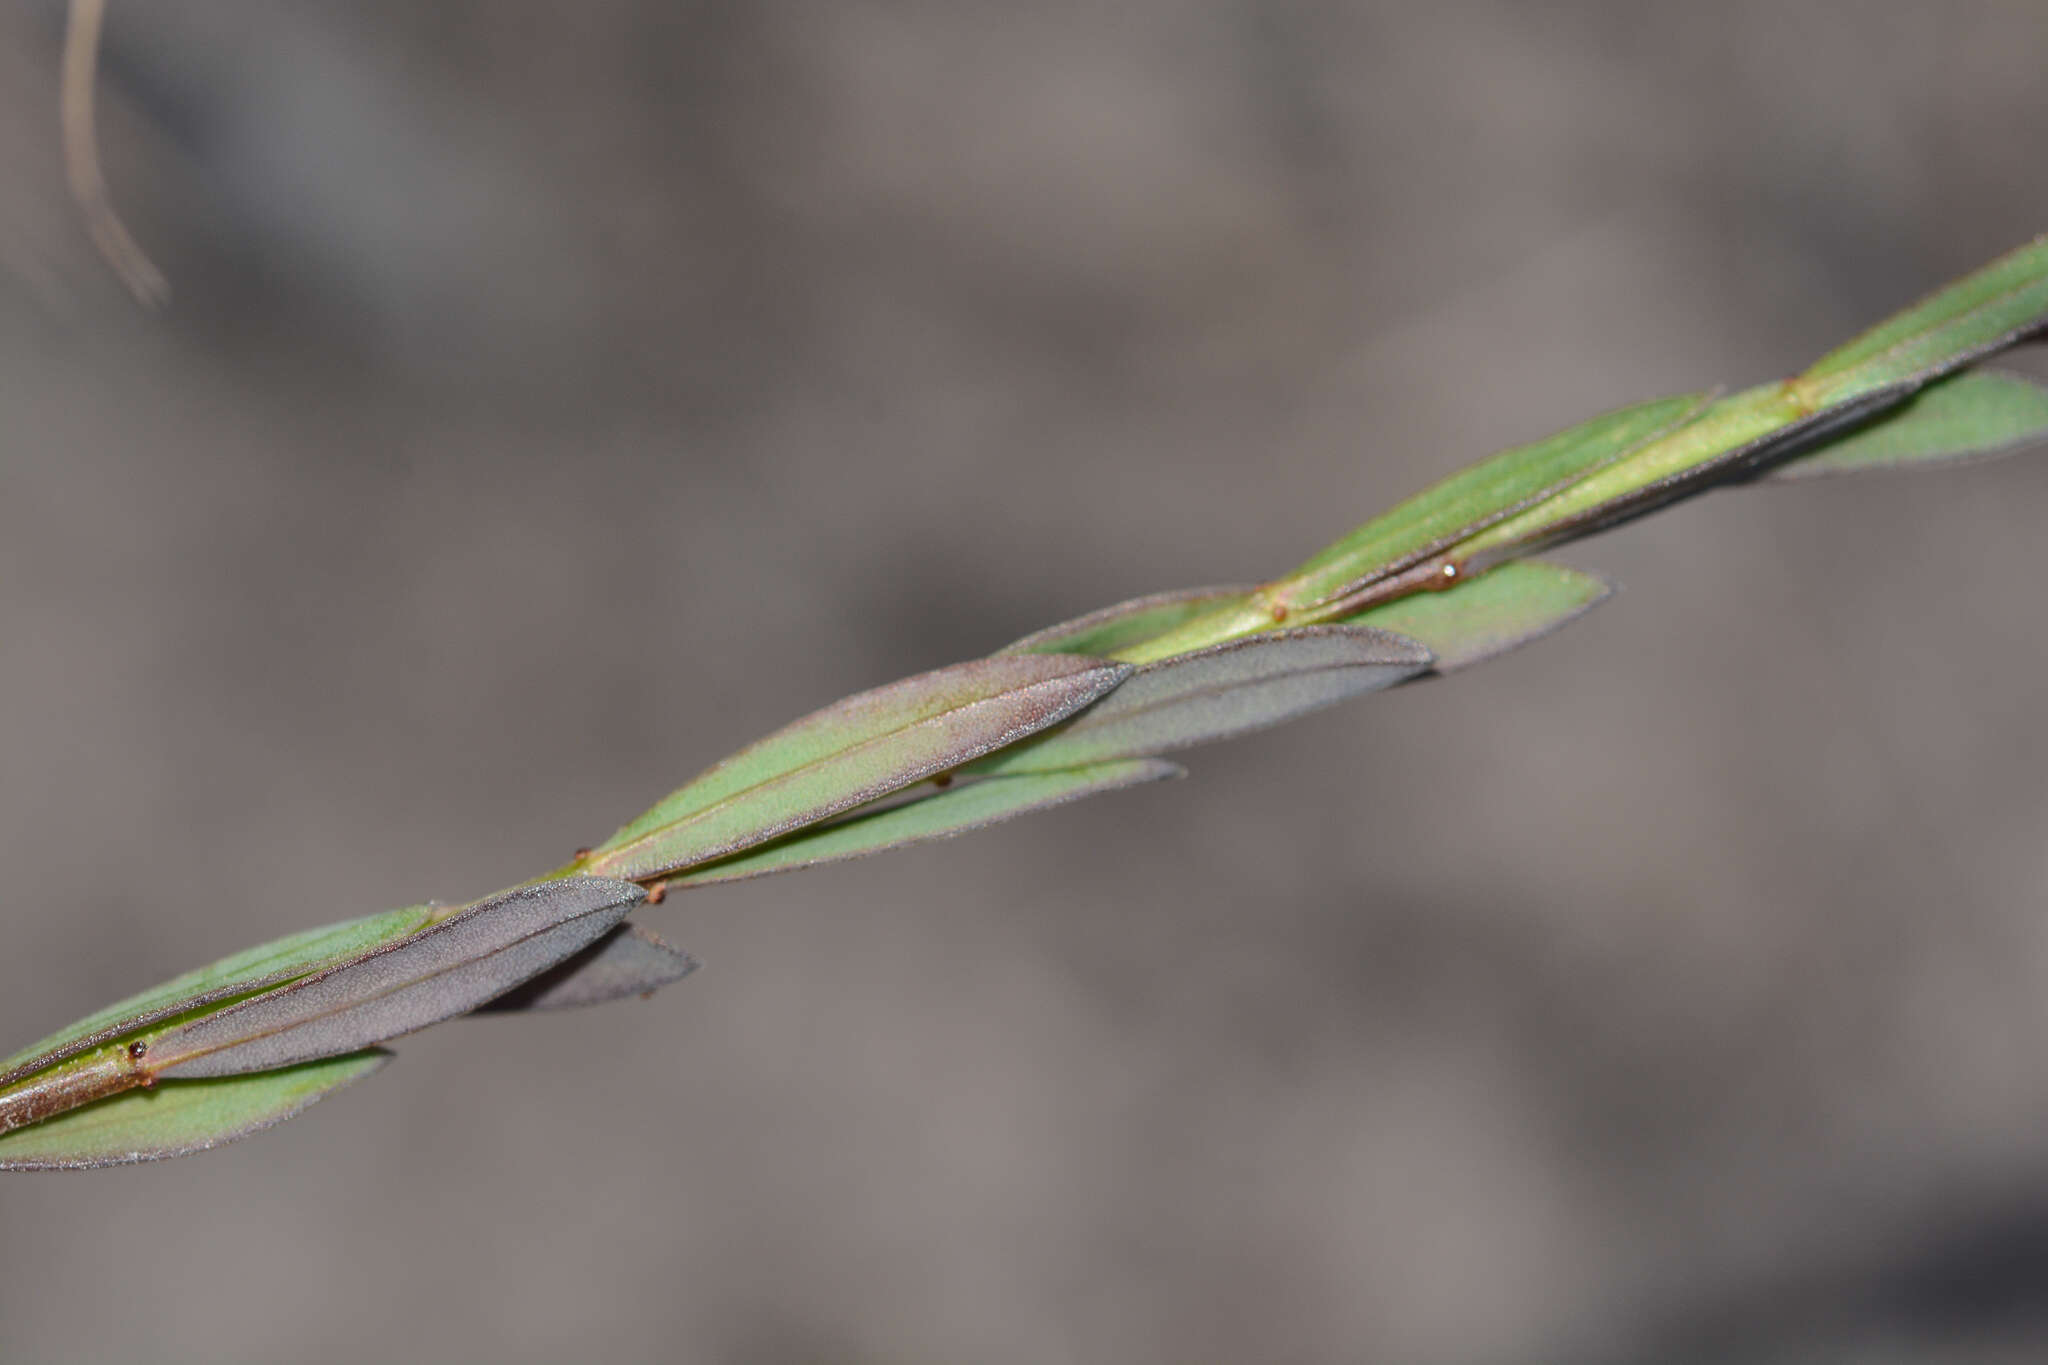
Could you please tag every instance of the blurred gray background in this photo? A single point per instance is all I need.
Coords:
(556, 398)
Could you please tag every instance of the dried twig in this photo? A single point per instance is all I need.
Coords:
(82, 159)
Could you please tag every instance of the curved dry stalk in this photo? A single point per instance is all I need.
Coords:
(82, 159)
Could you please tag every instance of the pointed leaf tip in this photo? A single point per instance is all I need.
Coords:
(1221, 691)
(853, 752)
(627, 961)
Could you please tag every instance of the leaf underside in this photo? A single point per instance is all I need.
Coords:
(176, 1118)
(627, 961)
(1967, 416)
(971, 803)
(1487, 616)
(1215, 693)
(252, 970)
(449, 969)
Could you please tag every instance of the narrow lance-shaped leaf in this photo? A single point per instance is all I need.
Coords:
(2005, 302)
(1218, 692)
(852, 752)
(246, 972)
(443, 971)
(627, 961)
(1108, 632)
(1982, 313)
(1966, 416)
(178, 1117)
(1732, 436)
(969, 803)
(1490, 490)
(1438, 517)
(1489, 615)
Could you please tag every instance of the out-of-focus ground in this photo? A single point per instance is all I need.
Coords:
(555, 398)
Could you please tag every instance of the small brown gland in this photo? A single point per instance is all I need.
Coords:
(943, 781)
(581, 854)
(137, 1050)
(1800, 392)
(657, 893)
(1278, 611)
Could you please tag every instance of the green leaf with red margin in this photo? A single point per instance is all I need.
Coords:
(851, 753)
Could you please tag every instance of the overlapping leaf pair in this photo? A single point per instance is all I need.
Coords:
(1434, 585)
(252, 1040)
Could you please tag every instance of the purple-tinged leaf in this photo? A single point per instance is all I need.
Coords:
(968, 803)
(1214, 693)
(851, 753)
(176, 1118)
(627, 961)
(245, 973)
(448, 969)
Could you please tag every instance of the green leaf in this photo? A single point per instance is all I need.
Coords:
(1475, 498)
(1491, 614)
(1214, 693)
(1110, 631)
(1999, 305)
(627, 961)
(1975, 413)
(969, 803)
(1730, 436)
(178, 1117)
(851, 753)
(442, 971)
(246, 972)
(1983, 312)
